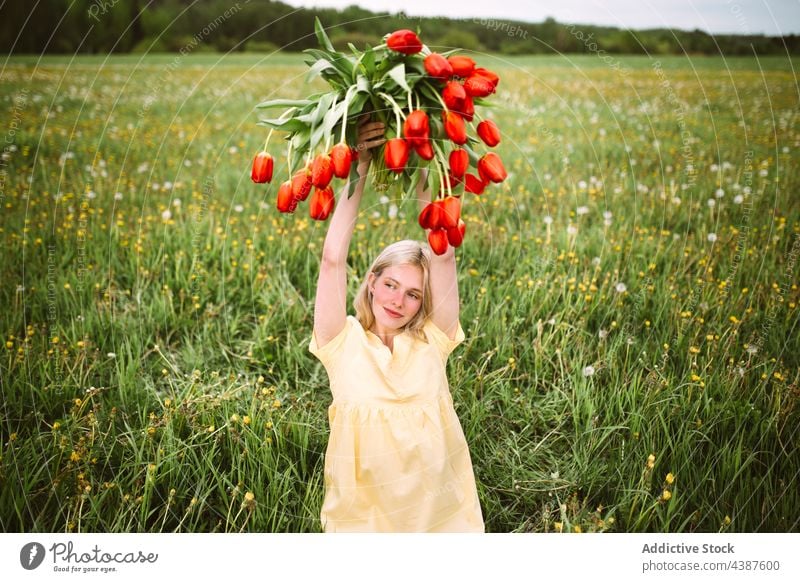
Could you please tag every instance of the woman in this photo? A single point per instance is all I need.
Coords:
(397, 459)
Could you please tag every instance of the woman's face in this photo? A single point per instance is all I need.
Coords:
(396, 295)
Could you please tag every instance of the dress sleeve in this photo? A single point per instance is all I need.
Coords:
(328, 354)
(441, 340)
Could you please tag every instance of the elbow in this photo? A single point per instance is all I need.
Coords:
(330, 257)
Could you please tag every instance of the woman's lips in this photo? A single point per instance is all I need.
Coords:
(392, 313)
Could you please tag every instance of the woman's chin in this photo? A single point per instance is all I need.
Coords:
(391, 322)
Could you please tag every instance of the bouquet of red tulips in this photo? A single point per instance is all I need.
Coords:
(426, 101)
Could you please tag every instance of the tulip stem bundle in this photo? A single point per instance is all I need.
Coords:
(441, 91)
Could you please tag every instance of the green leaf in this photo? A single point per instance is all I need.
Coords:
(353, 178)
(317, 69)
(368, 61)
(398, 75)
(283, 103)
(322, 37)
(362, 84)
(413, 181)
(291, 124)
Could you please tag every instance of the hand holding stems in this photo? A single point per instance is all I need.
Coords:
(370, 135)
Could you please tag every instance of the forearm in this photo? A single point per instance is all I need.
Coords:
(343, 220)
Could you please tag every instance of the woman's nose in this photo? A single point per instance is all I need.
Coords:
(397, 298)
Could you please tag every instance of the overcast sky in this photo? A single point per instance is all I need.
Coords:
(771, 17)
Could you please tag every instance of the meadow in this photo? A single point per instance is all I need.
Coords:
(629, 297)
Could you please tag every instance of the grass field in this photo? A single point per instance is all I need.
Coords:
(629, 297)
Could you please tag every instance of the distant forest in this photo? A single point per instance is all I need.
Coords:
(125, 26)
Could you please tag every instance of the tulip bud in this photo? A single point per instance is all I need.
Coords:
(437, 239)
(286, 202)
(438, 67)
(489, 132)
(462, 66)
(425, 150)
(404, 41)
(453, 95)
(473, 184)
(491, 169)
(468, 110)
(459, 162)
(455, 236)
(454, 127)
(478, 86)
(301, 184)
(451, 211)
(262, 168)
(430, 217)
(321, 203)
(322, 171)
(416, 127)
(396, 154)
(341, 158)
(493, 78)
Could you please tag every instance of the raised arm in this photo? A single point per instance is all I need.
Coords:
(444, 281)
(330, 307)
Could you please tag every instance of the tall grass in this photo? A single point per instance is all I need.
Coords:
(156, 376)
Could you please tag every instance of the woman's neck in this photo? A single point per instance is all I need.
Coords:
(387, 336)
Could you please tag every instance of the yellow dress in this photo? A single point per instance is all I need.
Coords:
(397, 459)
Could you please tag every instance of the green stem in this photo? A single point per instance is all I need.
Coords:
(441, 176)
(328, 137)
(269, 135)
(441, 159)
(394, 104)
(344, 120)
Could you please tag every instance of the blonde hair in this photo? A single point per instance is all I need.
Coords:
(404, 252)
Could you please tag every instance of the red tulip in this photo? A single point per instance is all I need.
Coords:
(451, 211)
(301, 184)
(396, 154)
(286, 202)
(404, 41)
(473, 184)
(489, 132)
(493, 78)
(462, 66)
(438, 67)
(459, 162)
(416, 127)
(454, 127)
(478, 86)
(437, 239)
(454, 95)
(455, 236)
(425, 150)
(468, 109)
(262, 168)
(321, 203)
(431, 216)
(341, 158)
(322, 170)
(490, 168)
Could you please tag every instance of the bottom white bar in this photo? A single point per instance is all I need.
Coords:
(357, 557)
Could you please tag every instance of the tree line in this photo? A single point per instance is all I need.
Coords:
(124, 26)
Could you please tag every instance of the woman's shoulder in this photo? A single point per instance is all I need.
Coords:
(440, 338)
(331, 348)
